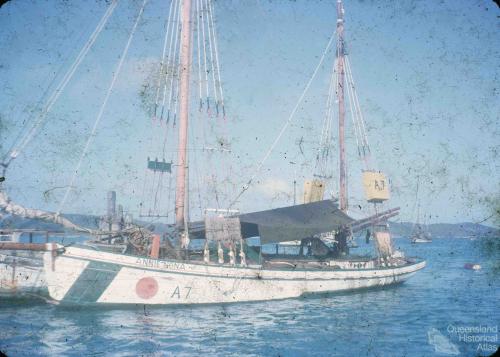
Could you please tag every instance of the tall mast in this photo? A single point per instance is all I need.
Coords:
(340, 94)
(185, 65)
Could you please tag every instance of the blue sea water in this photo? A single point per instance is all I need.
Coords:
(395, 321)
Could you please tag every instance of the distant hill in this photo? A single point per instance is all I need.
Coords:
(447, 230)
(438, 230)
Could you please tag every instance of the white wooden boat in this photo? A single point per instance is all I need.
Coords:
(419, 233)
(86, 276)
(420, 240)
(143, 273)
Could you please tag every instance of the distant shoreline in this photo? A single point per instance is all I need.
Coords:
(399, 229)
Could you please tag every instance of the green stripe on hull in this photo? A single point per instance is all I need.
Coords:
(92, 282)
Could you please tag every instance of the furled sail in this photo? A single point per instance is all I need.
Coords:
(6, 205)
(384, 244)
(15, 209)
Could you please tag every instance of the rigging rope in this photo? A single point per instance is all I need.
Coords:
(359, 114)
(174, 62)
(162, 63)
(326, 134)
(198, 52)
(158, 191)
(286, 124)
(156, 185)
(415, 205)
(197, 172)
(151, 192)
(208, 62)
(15, 150)
(171, 63)
(103, 107)
(161, 76)
(175, 93)
(219, 107)
(212, 65)
(205, 55)
(355, 111)
(210, 11)
(355, 121)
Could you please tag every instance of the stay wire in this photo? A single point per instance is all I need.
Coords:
(17, 149)
(103, 107)
(286, 124)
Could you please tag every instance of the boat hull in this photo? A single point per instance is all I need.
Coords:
(81, 276)
(421, 240)
(22, 274)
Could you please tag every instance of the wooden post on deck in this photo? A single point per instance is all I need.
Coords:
(155, 247)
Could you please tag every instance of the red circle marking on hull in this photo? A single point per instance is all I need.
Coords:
(146, 288)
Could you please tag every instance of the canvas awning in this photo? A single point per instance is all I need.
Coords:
(287, 223)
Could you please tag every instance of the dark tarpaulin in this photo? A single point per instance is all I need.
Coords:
(287, 223)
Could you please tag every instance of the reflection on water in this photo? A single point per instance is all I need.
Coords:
(383, 322)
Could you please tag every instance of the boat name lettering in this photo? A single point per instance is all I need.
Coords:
(154, 263)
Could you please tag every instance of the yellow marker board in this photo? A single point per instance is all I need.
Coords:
(313, 191)
(376, 186)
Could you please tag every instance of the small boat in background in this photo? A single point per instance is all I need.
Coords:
(472, 266)
(419, 234)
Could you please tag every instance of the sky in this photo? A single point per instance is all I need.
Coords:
(426, 72)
